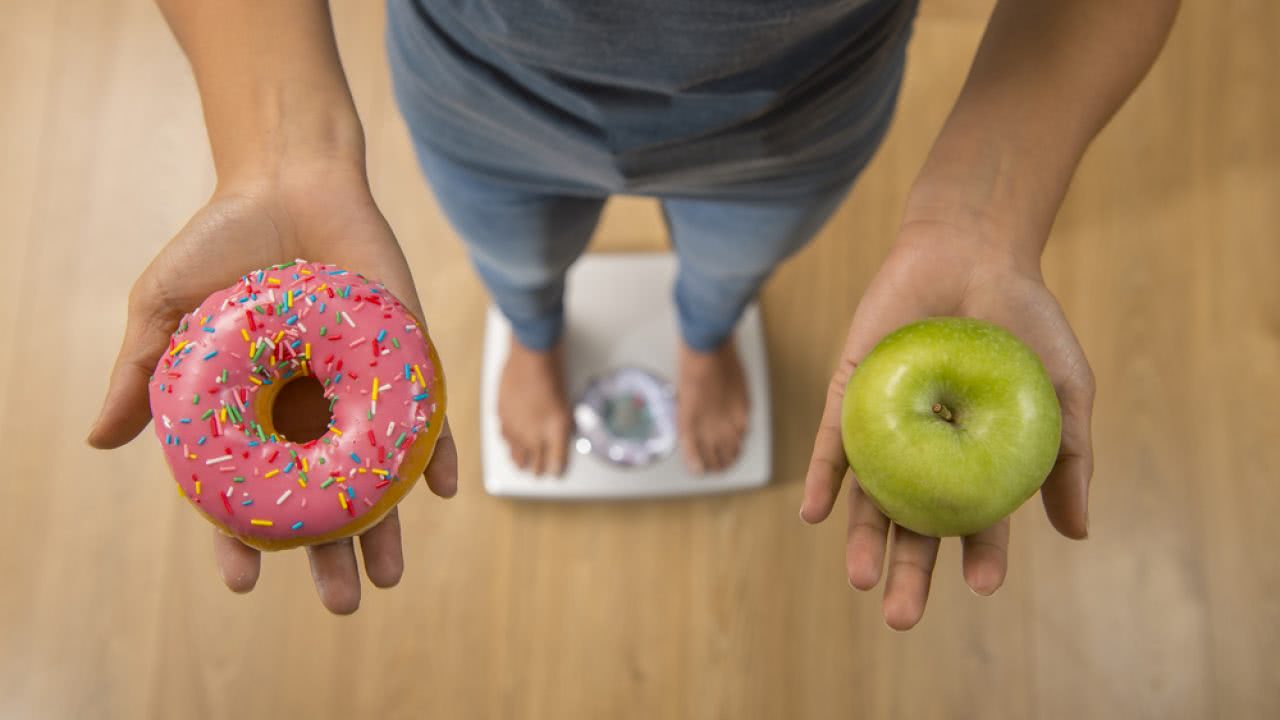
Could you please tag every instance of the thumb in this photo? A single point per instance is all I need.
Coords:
(378, 256)
(369, 247)
(879, 313)
(827, 463)
(1066, 491)
(442, 471)
(127, 408)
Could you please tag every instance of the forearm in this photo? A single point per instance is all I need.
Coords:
(270, 82)
(1046, 79)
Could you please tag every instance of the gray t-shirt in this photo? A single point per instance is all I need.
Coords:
(649, 95)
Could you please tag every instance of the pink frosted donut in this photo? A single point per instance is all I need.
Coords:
(213, 391)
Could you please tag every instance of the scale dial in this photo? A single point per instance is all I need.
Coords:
(627, 417)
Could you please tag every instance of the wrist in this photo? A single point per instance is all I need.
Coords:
(981, 190)
(962, 217)
(271, 83)
(997, 168)
(286, 130)
(965, 247)
(313, 205)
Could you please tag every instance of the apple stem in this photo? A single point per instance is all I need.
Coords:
(943, 411)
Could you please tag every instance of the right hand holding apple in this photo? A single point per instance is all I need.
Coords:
(942, 270)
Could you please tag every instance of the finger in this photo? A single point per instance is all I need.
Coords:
(126, 410)
(370, 248)
(333, 569)
(865, 540)
(910, 571)
(986, 558)
(442, 471)
(882, 309)
(827, 464)
(382, 552)
(238, 564)
(1066, 491)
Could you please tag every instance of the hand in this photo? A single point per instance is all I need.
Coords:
(942, 269)
(322, 212)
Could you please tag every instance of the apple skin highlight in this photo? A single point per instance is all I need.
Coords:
(950, 424)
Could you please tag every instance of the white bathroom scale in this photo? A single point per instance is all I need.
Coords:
(620, 353)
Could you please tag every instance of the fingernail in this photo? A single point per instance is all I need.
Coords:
(803, 519)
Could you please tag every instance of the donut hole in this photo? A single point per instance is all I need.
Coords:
(300, 412)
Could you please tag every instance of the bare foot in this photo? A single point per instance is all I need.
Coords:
(712, 404)
(533, 410)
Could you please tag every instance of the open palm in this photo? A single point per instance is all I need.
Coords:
(931, 273)
(322, 214)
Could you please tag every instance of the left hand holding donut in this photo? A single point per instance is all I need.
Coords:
(321, 211)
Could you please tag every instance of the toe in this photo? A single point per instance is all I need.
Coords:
(537, 457)
(519, 452)
(709, 447)
(730, 447)
(557, 447)
(513, 447)
(692, 453)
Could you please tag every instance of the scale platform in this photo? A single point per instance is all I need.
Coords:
(620, 351)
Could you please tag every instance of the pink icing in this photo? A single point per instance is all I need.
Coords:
(202, 399)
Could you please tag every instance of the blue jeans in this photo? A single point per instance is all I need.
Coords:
(522, 241)
(522, 159)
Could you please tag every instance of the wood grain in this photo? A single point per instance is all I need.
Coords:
(1165, 257)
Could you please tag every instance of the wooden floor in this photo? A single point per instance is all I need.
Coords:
(1166, 257)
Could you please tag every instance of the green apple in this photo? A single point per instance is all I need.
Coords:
(950, 424)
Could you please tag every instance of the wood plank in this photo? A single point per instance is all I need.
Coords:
(1164, 257)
